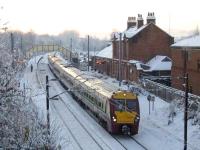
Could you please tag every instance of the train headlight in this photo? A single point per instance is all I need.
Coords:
(137, 119)
(114, 119)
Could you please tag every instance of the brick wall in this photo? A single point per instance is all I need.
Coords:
(145, 45)
(192, 68)
(150, 42)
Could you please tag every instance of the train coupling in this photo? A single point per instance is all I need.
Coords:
(126, 130)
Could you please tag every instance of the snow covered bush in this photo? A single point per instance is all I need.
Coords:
(20, 125)
(196, 116)
(172, 112)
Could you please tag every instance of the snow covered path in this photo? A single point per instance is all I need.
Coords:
(154, 131)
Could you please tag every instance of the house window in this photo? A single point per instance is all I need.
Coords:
(198, 65)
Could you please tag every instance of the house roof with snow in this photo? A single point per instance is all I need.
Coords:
(131, 32)
(107, 52)
(192, 42)
(159, 63)
(136, 63)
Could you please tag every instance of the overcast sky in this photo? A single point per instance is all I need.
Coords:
(98, 17)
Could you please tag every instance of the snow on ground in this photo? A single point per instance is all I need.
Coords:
(157, 124)
(154, 132)
(32, 87)
(105, 139)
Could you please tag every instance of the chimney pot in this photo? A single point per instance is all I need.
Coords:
(140, 21)
(131, 22)
(151, 18)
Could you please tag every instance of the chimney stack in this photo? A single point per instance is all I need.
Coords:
(131, 22)
(151, 18)
(140, 21)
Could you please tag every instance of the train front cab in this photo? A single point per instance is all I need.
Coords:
(125, 113)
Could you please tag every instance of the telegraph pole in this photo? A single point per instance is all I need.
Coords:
(94, 60)
(70, 49)
(47, 107)
(12, 41)
(21, 46)
(71, 44)
(12, 49)
(24, 91)
(186, 98)
(88, 51)
(186, 111)
(119, 72)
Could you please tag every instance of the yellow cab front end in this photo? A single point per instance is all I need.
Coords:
(124, 113)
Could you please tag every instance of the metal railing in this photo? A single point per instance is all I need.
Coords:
(171, 94)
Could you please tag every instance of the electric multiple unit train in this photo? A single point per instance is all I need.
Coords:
(117, 110)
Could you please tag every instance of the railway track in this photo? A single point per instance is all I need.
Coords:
(57, 112)
(145, 148)
(39, 76)
(60, 116)
(67, 127)
(120, 143)
(128, 139)
(83, 126)
(75, 117)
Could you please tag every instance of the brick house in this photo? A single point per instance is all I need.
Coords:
(103, 60)
(186, 59)
(139, 42)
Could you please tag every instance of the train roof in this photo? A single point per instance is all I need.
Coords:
(101, 87)
(92, 82)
